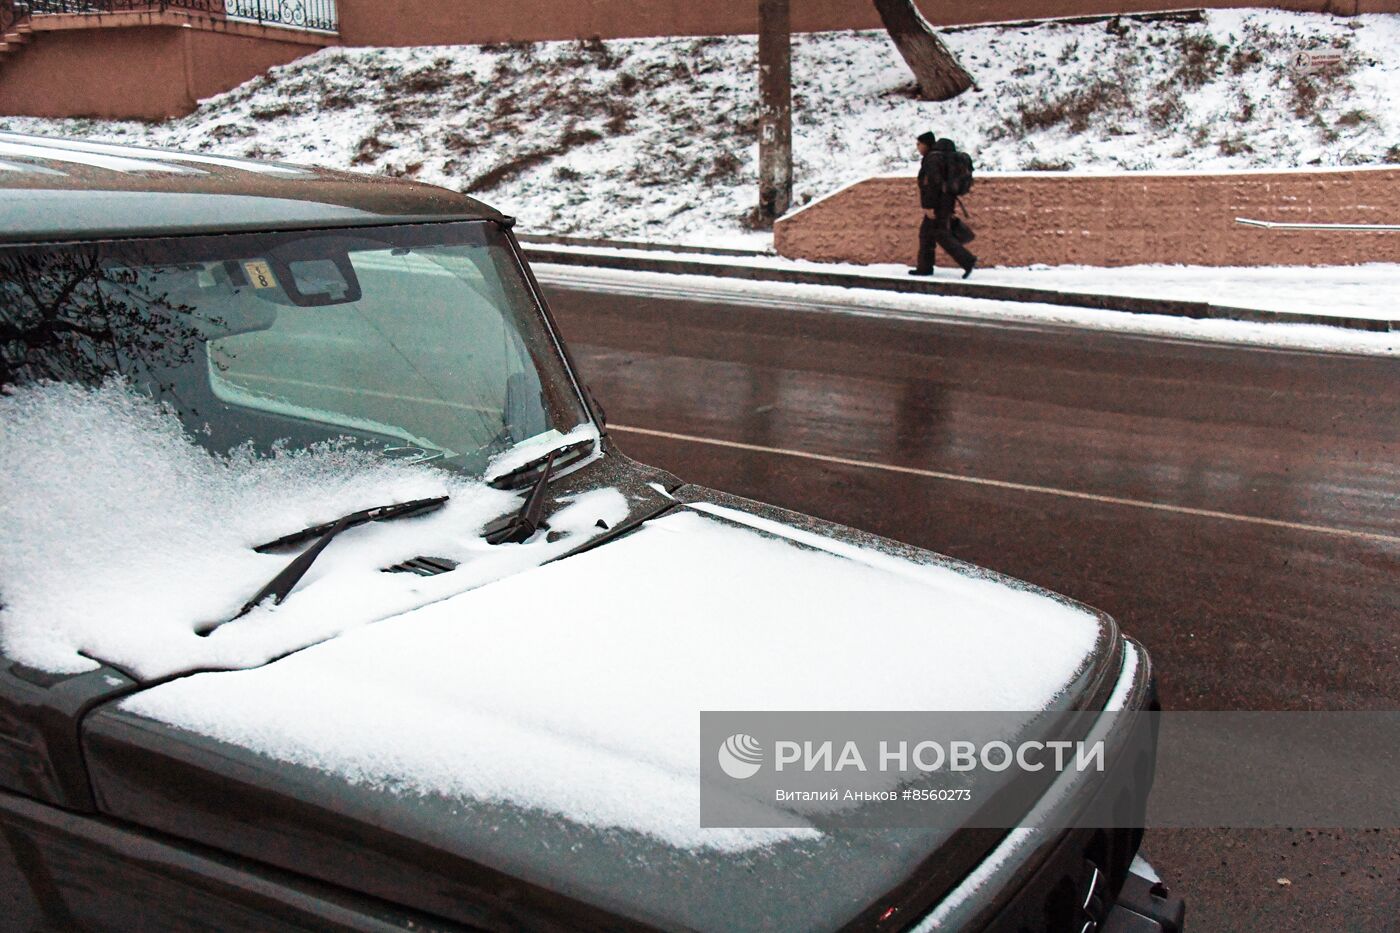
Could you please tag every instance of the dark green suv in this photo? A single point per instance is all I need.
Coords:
(326, 601)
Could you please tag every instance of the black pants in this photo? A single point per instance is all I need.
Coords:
(938, 231)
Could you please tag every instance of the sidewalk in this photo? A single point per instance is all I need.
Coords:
(1371, 291)
(825, 299)
(1354, 297)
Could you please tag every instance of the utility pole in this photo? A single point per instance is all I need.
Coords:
(774, 109)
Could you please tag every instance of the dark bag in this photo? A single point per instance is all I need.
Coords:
(957, 168)
(962, 232)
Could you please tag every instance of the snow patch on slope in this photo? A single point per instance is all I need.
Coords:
(658, 137)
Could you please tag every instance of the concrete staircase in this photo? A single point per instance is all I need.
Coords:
(15, 28)
(18, 37)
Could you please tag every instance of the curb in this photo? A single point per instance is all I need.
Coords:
(550, 239)
(1199, 310)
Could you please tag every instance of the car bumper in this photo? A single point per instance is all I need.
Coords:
(1145, 905)
(1079, 879)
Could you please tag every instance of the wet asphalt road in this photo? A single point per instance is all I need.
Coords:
(1236, 508)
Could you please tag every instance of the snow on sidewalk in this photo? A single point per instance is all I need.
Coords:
(1370, 291)
(871, 301)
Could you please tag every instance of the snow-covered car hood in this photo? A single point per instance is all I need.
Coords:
(546, 724)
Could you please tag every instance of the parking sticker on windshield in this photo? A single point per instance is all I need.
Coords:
(259, 274)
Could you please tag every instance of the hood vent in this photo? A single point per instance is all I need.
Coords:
(424, 566)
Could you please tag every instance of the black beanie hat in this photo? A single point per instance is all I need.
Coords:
(928, 139)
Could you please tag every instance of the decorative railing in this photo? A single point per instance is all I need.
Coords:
(299, 14)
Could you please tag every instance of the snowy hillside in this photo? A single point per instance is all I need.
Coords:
(656, 138)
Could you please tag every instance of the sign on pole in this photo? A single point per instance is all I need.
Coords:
(1310, 61)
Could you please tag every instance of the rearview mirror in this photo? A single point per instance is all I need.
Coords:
(316, 282)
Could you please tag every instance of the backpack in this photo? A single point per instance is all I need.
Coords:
(957, 168)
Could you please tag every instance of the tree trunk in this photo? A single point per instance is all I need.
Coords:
(939, 75)
(774, 109)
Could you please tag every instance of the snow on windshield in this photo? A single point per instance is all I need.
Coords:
(538, 446)
(589, 708)
(120, 537)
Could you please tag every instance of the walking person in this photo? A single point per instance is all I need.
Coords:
(944, 175)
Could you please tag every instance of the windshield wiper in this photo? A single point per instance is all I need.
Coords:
(513, 529)
(401, 510)
(507, 479)
(282, 584)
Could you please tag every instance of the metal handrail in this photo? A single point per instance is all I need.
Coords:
(320, 15)
(1276, 225)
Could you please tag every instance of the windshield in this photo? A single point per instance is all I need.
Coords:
(421, 343)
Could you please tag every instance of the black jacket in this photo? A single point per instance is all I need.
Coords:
(930, 180)
(931, 175)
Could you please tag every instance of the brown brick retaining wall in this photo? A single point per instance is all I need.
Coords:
(1060, 218)
(142, 65)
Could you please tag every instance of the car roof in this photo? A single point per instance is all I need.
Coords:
(65, 189)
